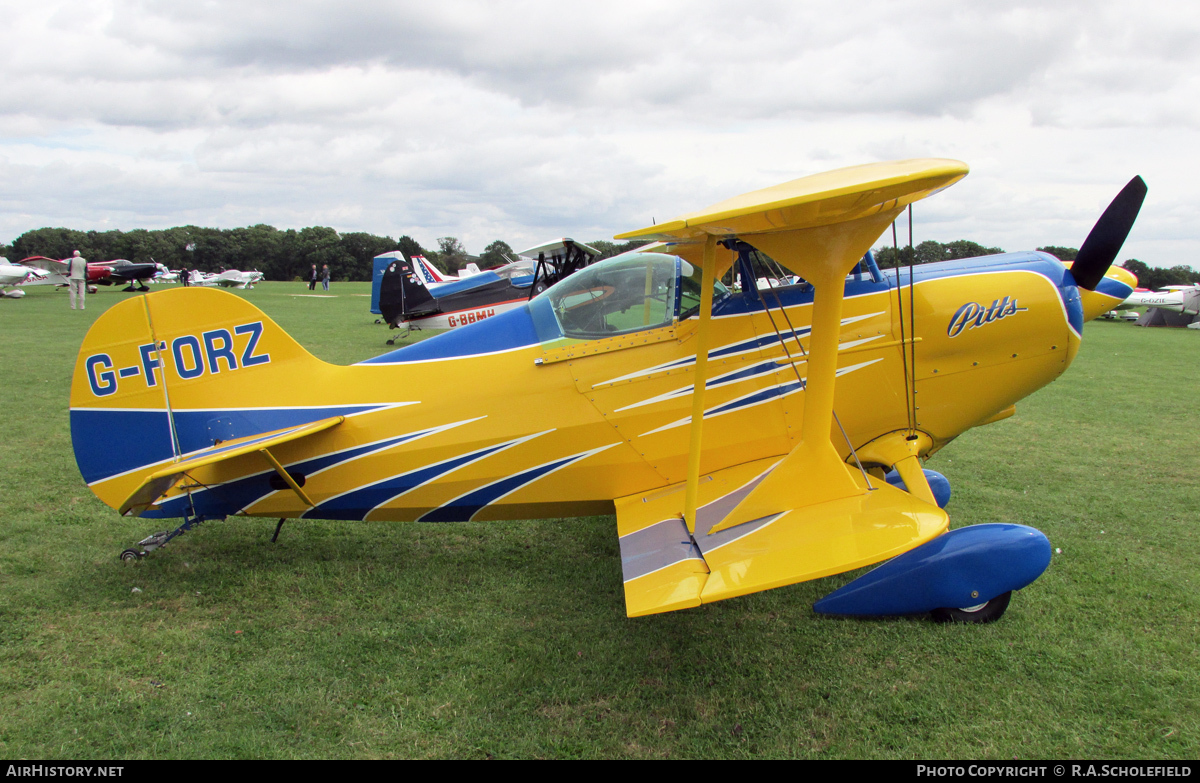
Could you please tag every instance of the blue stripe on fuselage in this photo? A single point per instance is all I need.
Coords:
(1043, 264)
(503, 331)
(359, 502)
(465, 507)
(109, 442)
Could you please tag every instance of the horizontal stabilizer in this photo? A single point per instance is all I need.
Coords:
(158, 483)
(665, 568)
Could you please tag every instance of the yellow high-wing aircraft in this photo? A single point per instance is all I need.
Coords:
(742, 437)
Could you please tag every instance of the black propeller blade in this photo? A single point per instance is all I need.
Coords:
(1104, 242)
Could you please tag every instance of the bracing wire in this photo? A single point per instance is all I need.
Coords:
(912, 321)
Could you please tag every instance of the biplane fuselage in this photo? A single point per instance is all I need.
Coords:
(490, 422)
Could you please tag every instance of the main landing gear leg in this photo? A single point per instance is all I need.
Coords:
(408, 329)
(159, 539)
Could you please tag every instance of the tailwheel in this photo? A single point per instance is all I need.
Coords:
(986, 612)
(160, 539)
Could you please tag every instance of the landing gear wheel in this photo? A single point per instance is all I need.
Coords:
(131, 555)
(987, 612)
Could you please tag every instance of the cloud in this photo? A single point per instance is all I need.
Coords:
(522, 120)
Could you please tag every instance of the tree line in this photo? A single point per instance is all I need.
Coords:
(279, 255)
(288, 254)
(1151, 277)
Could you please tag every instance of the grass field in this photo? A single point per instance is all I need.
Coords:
(372, 640)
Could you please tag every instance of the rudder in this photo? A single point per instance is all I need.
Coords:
(402, 294)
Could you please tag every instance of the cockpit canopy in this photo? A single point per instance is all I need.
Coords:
(626, 293)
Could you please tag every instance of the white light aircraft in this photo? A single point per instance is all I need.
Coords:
(1176, 298)
(12, 275)
(230, 278)
(164, 275)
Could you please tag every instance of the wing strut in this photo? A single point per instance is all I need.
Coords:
(287, 477)
(707, 281)
(814, 463)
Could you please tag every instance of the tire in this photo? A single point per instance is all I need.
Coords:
(131, 555)
(988, 612)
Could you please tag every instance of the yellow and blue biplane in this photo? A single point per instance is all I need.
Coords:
(746, 438)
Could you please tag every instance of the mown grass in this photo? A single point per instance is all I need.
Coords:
(510, 640)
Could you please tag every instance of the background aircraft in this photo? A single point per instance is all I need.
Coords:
(1173, 305)
(116, 272)
(233, 278)
(1176, 298)
(741, 437)
(229, 278)
(407, 298)
(164, 275)
(12, 275)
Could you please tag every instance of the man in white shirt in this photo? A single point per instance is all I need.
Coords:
(77, 275)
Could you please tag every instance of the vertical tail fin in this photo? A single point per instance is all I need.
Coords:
(168, 374)
(430, 272)
(403, 294)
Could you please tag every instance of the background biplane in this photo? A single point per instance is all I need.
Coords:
(742, 438)
(413, 294)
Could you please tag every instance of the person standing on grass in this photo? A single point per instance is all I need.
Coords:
(324, 276)
(312, 282)
(77, 276)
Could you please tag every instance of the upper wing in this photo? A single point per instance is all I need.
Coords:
(838, 196)
(845, 199)
(49, 264)
(557, 246)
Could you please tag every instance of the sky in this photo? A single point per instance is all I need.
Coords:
(525, 121)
